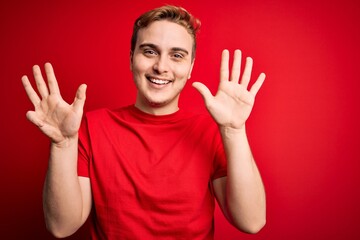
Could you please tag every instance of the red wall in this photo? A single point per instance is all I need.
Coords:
(304, 130)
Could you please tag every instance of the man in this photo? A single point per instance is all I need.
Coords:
(151, 170)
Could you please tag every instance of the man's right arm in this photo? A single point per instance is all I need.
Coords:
(66, 197)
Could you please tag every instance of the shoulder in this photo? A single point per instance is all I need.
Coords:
(198, 116)
(96, 113)
(103, 113)
(202, 121)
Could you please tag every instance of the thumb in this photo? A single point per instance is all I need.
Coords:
(80, 98)
(203, 90)
(32, 117)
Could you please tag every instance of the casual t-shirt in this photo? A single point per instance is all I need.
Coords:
(151, 176)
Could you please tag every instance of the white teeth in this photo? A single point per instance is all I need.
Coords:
(159, 81)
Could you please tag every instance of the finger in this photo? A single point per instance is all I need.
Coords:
(32, 95)
(32, 117)
(235, 71)
(50, 75)
(247, 72)
(80, 98)
(203, 90)
(40, 83)
(224, 67)
(257, 85)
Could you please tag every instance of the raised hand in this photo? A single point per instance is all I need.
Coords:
(57, 119)
(232, 104)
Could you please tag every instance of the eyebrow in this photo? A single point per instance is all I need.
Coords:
(174, 49)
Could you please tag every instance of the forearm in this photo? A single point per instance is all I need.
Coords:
(245, 194)
(62, 199)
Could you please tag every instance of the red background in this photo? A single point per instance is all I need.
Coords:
(304, 129)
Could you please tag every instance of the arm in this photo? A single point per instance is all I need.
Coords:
(241, 194)
(66, 197)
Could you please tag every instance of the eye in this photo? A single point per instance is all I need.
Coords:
(150, 52)
(178, 55)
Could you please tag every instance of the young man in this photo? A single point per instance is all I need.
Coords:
(151, 170)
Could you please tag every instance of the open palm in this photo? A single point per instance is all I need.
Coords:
(232, 104)
(55, 118)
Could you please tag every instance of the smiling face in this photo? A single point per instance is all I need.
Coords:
(161, 64)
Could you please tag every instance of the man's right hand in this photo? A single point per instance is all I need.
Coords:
(56, 118)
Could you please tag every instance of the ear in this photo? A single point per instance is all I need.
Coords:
(131, 59)
(191, 68)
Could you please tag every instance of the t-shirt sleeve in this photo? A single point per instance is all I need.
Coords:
(84, 153)
(220, 163)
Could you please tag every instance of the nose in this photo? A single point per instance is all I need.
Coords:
(161, 65)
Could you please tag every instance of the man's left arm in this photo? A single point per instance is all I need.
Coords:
(241, 194)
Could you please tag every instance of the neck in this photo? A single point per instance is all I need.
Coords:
(157, 110)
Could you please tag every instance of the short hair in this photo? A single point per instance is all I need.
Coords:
(170, 13)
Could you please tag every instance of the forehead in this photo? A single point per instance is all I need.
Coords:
(165, 35)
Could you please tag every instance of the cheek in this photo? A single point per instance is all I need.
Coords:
(137, 73)
(183, 72)
(140, 64)
(137, 68)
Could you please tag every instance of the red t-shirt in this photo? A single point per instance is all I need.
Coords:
(151, 176)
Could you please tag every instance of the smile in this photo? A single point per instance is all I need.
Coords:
(158, 81)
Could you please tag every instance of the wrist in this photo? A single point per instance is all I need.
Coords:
(65, 143)
(232, 131)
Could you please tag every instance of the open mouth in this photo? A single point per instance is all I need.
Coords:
(158, 81)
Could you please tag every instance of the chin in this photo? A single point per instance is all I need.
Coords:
(158, 104)
(161, 100)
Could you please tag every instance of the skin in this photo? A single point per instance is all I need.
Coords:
(162, 55)
(241, 194)
(163, 51)
(66, 197)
